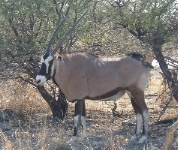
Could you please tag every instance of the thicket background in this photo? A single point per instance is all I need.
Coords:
(109, 28)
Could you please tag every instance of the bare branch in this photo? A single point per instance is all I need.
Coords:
(13, 28)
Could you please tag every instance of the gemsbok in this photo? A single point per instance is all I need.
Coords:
(81, 76)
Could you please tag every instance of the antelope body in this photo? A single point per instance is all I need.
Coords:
(83, 76)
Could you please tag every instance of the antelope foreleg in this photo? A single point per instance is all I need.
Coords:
(79, 116)
(76, 123)
(84, 134)
(83, 122)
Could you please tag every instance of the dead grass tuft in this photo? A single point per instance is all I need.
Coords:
(6, 142)
(21, 98)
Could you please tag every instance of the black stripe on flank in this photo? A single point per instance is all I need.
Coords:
(106, 95)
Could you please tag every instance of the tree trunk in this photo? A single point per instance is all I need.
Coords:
(173, 85)
(169, 76)
(58, 107)
(170, 135)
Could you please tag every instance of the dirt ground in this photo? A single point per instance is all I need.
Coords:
(38, 131)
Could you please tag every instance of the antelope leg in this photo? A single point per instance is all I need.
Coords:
(77, 118)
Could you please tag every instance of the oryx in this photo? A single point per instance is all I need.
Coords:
(81, 76)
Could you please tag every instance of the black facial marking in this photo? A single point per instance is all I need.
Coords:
(48, 75)
(43, 68)
(45, 56)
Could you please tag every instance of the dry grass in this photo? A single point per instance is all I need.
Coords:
(38, 132)
(7, 144)
(21, 97)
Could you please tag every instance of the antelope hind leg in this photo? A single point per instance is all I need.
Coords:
(139, 120)
(145, 115)
(138, 102)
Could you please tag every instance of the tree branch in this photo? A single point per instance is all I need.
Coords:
(13, 28)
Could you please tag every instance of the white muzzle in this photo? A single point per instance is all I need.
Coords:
(40, 80)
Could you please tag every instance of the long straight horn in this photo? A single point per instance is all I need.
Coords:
(67, 33)
(54, 34)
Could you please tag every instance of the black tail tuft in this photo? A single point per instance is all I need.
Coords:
(140, 57)
(136, 55)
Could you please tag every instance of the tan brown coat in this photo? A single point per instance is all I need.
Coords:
(82, 75)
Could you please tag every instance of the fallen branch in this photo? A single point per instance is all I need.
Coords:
(166, 121)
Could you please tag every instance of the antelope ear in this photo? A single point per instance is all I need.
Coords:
(60, 58)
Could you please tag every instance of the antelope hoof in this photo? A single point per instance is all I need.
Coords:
(73, 140)
(142, 139)
(82, 138)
